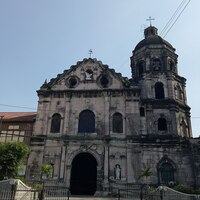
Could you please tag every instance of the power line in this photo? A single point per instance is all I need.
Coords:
(175, 19)
(173, 16)
(14, 106)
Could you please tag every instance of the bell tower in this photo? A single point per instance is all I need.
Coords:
(164, 109)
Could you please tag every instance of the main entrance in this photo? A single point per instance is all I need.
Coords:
(83, 175)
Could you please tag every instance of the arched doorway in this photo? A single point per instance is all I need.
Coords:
(83, 175)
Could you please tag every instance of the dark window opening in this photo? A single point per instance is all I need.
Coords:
(72, 82)
(159, 91)
(171, 65)
(162, 124)
(104, 81)
(180, 93)
(166, 173)
(142, 112)
(55, 123)
(117, 123)
(140, 69)
(86, 122)
(184, 128)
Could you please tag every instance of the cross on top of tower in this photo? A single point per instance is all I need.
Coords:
(150, 19)
(90, 52)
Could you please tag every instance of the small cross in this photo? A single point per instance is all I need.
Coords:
(90, 52)
(150, 19)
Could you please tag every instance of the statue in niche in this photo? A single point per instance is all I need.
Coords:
(88, 74)
(156, 64)
(117, 172)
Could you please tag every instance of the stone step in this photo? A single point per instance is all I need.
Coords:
(92, 198)
(81, 198)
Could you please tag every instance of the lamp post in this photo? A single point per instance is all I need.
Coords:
(13, 184)
(162, 189)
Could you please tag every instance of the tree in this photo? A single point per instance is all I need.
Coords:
(146, 173)
(47, 170)
(12, 154)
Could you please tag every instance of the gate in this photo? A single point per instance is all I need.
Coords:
(55, 193)
(14, 189)
(19, 194)
(7, 195)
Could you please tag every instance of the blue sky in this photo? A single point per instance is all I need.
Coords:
(41, 38)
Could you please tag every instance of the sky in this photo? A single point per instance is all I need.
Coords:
(41, 38)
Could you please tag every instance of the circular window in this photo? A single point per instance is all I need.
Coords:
(72, 81)
(104, 80)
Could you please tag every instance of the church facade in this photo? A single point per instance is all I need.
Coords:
(98, 129)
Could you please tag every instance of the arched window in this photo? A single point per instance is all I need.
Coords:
(184, 128)
(117, 123)
(180, 92)
(171, 65)
(55, 123)
(159, 91)
(162, 124)
(86, 122)
(141, 66)
(142, 112)
(166, 172)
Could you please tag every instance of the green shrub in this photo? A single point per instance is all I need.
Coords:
(184, 188)
(37, 186)
(46, 169)
(197, 191)
(151, 188)
(21, 178)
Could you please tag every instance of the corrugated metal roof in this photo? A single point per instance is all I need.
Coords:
(17, 116)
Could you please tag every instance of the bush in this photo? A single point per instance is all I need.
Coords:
(12, 155)
(151, 188)
(197, 191)
(21, 178)
(37, 186)
(185, 189)
(46, 169)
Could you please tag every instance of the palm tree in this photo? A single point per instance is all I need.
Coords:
(146, 173)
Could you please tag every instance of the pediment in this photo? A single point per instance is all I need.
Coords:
(88, 74)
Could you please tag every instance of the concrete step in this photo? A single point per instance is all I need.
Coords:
(92, 198)
(80, 198)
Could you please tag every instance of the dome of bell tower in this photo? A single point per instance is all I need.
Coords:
(153, 54)
(151, 37)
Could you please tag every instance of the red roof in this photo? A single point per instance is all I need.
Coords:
(17, 116)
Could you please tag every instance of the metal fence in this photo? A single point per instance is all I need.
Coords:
(47, 193)
(128, 191)
(55, 193)
(6, 195)
(166, 193)
(19, 195)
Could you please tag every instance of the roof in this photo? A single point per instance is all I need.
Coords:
(152, 38)
(17, 116)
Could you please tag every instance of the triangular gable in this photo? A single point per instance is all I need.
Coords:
(85, 75)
